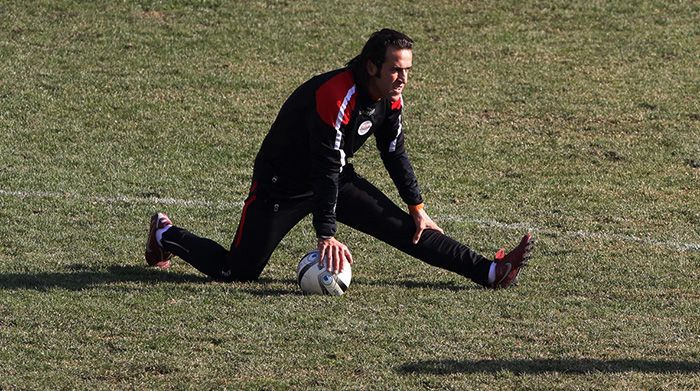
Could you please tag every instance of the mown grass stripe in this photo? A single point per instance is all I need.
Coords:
(676, 245)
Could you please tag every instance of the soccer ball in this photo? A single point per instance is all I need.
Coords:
(315, 279)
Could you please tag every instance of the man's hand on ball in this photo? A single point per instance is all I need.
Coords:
(333, 254)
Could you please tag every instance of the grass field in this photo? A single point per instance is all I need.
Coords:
(578, 120)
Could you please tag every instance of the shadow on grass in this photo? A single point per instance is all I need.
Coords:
(270, 287)
(79, 277)
(412, 284)
(539, 366)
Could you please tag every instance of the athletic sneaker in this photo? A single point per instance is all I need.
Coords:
(155, 254)
(508, 266)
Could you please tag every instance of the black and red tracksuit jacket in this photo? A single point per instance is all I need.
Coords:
(318, 129)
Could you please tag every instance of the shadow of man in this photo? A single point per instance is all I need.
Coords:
(539, 366)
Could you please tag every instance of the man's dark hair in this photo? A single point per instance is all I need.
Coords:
(375, 50)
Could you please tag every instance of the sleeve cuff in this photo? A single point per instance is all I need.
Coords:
(413, 209)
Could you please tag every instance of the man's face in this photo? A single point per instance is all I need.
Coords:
(389, 81)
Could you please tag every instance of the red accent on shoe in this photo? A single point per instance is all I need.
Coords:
(162, 265)
(500, 254)
(508, 266)
(155, 254)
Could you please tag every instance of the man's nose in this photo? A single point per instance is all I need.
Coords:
(403, 76)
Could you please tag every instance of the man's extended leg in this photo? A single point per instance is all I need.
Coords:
(364, 207)
(204, 254)
(264, 222)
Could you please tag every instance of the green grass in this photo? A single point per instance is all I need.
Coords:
(580, 120)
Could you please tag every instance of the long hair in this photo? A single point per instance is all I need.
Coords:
(375, 50)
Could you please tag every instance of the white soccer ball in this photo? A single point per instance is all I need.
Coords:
(315, 279)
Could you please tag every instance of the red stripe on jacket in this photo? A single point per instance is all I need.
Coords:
(397, 104)
(251, 198)
(330, 96)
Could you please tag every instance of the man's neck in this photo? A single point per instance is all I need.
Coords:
(364, 84)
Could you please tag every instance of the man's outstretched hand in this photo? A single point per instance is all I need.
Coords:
(333, 254)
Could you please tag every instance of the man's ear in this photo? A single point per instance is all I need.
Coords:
(372, 69)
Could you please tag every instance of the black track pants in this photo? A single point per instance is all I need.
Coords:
(266, 218)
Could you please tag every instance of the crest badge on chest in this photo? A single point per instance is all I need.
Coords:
(364, 128)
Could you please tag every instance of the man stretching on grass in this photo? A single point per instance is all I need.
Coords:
(303, 167)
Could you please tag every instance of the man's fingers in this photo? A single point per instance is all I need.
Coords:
(329, 258)
(348, 256)
(341, 260)
(416, 237)
(334, 254)
(333, 259)
(345, 256)
(325, 256)
(338, 259)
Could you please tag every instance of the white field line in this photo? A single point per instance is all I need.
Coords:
(224, 205)
(119, 199)
(680, 246)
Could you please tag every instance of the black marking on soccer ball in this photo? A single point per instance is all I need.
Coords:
(323, 286)
(340, 283)
(303, 270)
